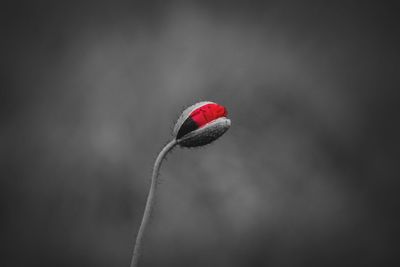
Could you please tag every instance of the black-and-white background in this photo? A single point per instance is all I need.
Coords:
(306, 176)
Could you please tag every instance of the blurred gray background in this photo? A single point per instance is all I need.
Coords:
(306, 176)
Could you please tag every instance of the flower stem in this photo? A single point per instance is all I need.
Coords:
(150, 202)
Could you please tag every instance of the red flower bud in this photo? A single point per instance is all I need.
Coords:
(201, 124)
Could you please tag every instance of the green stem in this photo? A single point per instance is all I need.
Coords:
(150, 202)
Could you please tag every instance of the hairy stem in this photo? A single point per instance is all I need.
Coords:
(150, 202)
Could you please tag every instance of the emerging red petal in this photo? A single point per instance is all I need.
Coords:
(207, 113)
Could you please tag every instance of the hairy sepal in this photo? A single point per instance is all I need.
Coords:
(206, 134)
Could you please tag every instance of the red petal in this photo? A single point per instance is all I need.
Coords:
(207, 113)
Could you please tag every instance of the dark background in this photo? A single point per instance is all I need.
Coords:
(306, 176)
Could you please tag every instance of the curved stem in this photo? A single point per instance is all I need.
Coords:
(149, 204)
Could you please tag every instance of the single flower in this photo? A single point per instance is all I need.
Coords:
(201, 124)
(198, 125)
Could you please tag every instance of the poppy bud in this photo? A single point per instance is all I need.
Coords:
(201, 124)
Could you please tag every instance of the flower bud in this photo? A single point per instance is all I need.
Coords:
(201, 124)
